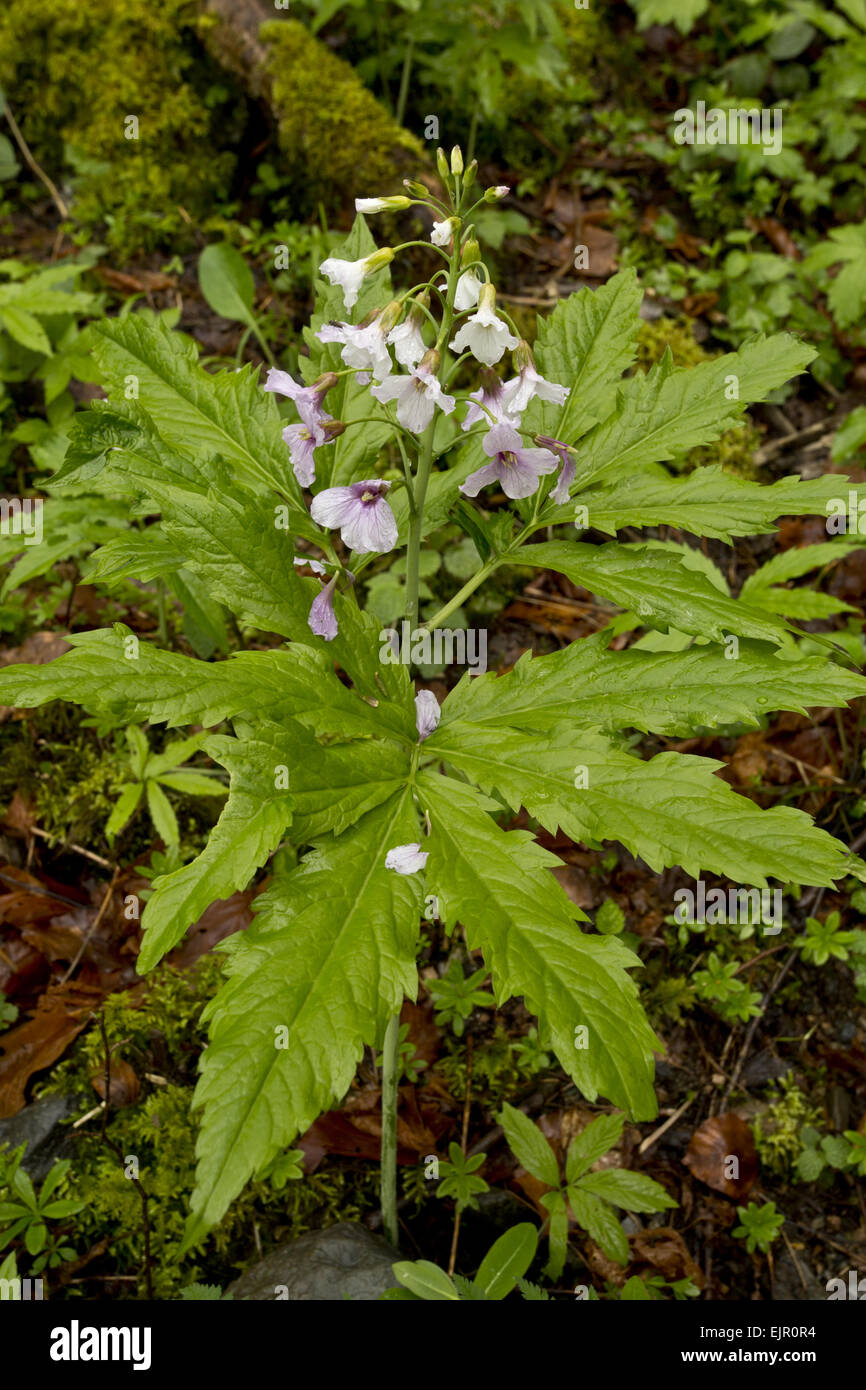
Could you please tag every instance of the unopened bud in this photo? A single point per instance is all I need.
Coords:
(495, 195)
(393, 204)
(457, 160)
(332, 429)
(469, 176)
(442, 164)
(418, 190)
(471, 252)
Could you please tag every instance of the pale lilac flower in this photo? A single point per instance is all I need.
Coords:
(315, 566)
(364, 518)
(567, 466)
(303, 442)
(468, 290)
(443, 231)
(349, 275)
(517, 393)
(484, 334)
(363, 347)
(322, 618)
(417, 396)
(307, 399)
(406, 859)
(516, 469)
(489, 394)
(407, 342)
(427, 713)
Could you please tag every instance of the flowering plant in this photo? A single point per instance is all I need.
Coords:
(402, 418)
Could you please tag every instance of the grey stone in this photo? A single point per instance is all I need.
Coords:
(344, 1261)
(39, 1126)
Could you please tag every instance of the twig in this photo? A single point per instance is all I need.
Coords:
(788, 441)
(452, 1259)
(77, 849)
(662, 1129)
(39, 890)
(790, 1248)
(115, 1148)
(753, 1026)
(40, 173)
(85, 940)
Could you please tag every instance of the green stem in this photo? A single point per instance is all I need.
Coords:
(404, 79)
(390, 1076)
(477, 579)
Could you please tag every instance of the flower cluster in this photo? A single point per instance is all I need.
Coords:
(399, 353)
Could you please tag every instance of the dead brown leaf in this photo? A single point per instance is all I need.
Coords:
(722, 1154)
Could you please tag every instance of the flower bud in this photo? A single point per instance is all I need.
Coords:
(469, 176)
(418, 190)
(471, 252)
(495, 195)
(442, 163)
(393, 204)
(457, 160)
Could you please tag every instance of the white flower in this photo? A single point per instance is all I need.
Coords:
(442, 232)
(468, 290)
(349, 275)
(406, 859)
(407, 342)
(417, 397)
(363, 348)
(485, 335)
(517, 393)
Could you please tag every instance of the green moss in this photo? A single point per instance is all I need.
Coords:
(160, 1035)
(75, 73)
(777, 1131)
(336, 139)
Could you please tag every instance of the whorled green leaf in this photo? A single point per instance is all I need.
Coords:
(669, 810)
(671, 693)
(328, 960)
(499, 885)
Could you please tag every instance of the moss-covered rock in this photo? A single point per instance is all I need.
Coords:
(121, 92)
(337, 140)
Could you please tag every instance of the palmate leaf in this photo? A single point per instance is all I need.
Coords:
(195, 412)
(329, 958)
(672, 693)
(586, 344)
(499, 885)
(250, 828)
(671, 410)
(136, 682)
(707, 502)
(657, 586)
(669, 810)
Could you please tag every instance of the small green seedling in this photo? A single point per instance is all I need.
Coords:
(760, 1226)
(151, 772)
(456, 995)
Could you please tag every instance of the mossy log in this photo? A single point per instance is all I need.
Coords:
(337, 141)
